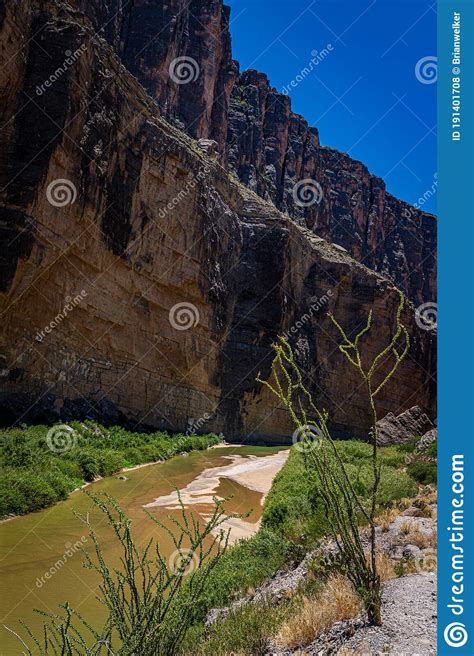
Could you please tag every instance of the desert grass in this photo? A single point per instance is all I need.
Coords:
(404, 503)
(387, 518)
(385, 567)
(338, 601)
(406, 527)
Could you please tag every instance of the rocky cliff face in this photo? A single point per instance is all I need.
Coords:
(268, 146)
(279, 156)
(140, 282)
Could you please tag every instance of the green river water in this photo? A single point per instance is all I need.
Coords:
(31, 545)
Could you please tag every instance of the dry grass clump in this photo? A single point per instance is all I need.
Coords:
(410, 566)
(385, 520)
(406, 527)
(404, 503)
(385, 567)
(338, 601)
(418, 538)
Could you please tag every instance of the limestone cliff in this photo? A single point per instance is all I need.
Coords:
(259, 137)
(111, 217)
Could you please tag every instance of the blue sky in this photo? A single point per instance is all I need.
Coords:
(364, 95)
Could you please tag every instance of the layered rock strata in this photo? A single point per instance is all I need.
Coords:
(114, 219)
(181, 53)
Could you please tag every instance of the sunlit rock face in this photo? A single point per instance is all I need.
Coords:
(114, 218)
(268, 146)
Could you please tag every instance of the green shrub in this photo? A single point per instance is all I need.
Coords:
(245, 630)
(17, 449)
(245, 565)
(432, 450)
(410, 446)
(97, 451)
(423, 472)
(12, 499)
(110, 462)
(36, 491)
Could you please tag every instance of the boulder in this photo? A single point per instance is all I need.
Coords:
(399, 429)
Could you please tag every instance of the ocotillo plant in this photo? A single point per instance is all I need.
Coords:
(151, 600)
(342, 504)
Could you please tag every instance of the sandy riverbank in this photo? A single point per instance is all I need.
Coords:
(253, 472)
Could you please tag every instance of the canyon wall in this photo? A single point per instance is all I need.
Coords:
(261, 139)
(143, 284)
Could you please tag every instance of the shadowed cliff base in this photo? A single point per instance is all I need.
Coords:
(151, 223)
